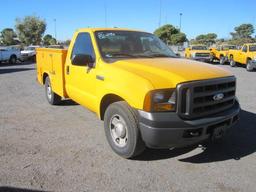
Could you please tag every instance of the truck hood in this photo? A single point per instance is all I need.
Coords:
(168, 72)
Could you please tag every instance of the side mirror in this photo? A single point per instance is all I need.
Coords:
(83, 60)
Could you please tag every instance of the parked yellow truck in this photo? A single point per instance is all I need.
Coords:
(220, 53)
(245, 56)
(143, 92)
(198, 52)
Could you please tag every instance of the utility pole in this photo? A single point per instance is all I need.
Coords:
(180, 20)
(160, 14)
(105, 9)
(55, 30)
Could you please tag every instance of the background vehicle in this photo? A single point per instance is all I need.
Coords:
(198, 52)
(143, 92)
(29, 53)
(56, 46)
(221, 52)
(245, 56)
(9, 54)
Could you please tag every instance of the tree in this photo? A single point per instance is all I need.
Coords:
(207, 39)
(49, 40)
(67, 42)
(7, 36)
(243, 31)
(30, 30)
(170, 35)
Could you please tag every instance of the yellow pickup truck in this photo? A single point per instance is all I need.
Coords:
(245, 56)
(221, 53)
(145, 94)
(198, 52)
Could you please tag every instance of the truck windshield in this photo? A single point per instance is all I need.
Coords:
(199, 48)
(228, 47)
(252, 48)
(131, 44)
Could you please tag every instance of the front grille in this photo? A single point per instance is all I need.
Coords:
(196, 99)
(202, 54)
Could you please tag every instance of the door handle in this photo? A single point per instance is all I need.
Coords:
(67, 70)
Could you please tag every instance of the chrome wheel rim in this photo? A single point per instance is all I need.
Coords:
(118, 130)
(248, 67)
(49, 92)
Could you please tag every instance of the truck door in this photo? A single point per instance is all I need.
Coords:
(80, 80)
(243, 55)
(4, 54)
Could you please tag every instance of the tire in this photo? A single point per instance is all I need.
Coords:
(122, 130)
(51, 97)
(232, 62)
(13, 59)
(222, 60)
(249, 67)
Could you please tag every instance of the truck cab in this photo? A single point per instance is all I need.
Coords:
(198, 52)
(143, 92)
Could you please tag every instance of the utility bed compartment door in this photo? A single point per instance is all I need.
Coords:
(52, 62)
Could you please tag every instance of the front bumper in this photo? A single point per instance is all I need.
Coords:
(205, 59)
(253, 64)
(167, 129)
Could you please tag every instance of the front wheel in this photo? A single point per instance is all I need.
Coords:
(122, 130)
(232, 62)
(222, 60)
(249, 66)
(13, 59)
(52, 97)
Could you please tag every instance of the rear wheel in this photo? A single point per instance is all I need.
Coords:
(13, 59)
(122, 130)
(249, 66)
(52, 97)
(232, 62)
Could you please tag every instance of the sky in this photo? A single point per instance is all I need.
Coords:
(198, 16)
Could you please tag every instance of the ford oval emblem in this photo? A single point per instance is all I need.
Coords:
(218, 97)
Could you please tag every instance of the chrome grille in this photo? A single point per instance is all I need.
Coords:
(196, 99)
(202, 54)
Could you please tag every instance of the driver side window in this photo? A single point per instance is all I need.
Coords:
(83, 45)
(244, 49)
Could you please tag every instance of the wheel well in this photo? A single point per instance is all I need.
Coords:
(106, 101)
(13, 55)
(248, 59)
(44, 77)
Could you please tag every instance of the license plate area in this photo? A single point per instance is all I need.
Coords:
(217, 131)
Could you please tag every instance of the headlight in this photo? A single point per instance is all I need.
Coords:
(160, 100)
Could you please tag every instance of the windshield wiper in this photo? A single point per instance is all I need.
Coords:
(161, 55)
(130, 55)
(122, 55)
